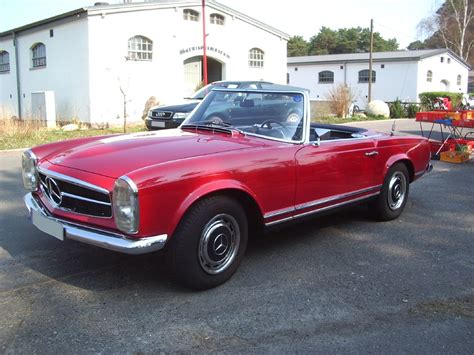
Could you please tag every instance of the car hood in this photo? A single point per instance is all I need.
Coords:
(185, 106)
(118, 155)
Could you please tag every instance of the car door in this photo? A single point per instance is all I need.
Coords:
(335, 172)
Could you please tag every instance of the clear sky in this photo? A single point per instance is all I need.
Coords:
(392, 18)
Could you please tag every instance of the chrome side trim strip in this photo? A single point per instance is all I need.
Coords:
(319, 202)
(85, 199)
(322, 209)
(349, 139)
(72, 180)
(94, 236)
(335, 197)
(279, 212)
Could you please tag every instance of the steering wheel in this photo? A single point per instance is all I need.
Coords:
(268, 124)
(214, 119)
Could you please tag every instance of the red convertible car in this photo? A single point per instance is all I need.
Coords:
(242, 161)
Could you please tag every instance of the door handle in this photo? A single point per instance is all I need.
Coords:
(372, 153)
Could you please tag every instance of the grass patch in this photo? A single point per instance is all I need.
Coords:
(24, 134)
(340, 120)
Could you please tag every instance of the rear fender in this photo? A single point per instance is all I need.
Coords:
(402, 157)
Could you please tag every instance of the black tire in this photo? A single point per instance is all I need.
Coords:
(209, 243)
(391, 201)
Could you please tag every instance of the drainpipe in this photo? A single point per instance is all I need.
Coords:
(345, 73)
(17, 72)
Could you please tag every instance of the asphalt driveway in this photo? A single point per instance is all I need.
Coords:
(341, 283)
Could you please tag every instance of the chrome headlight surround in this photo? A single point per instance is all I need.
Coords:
(29, 165)
(125, 205)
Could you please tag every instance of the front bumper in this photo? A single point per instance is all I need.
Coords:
(155, 123)
(62, 229)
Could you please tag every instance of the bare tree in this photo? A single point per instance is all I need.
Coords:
(340, 98)
(453, 24)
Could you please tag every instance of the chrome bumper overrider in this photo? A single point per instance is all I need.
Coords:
(104, 239)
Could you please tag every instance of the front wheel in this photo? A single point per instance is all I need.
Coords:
(209, 243)
(392, 199)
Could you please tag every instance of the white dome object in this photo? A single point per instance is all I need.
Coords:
(378, 108)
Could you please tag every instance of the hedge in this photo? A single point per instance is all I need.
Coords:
(427, 98)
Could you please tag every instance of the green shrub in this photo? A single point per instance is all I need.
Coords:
(397, 109)
(427, 98)
(412, 110)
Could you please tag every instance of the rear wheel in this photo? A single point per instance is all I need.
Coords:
(391, 201)
(209, 243)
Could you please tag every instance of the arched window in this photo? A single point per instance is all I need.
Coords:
(459, 79)
(4, 62)
(217, 19)
(256, 57)
(326, 77)
(38, 55)
(190, 15)
(429, 76)
(140, 48)
(364, 76)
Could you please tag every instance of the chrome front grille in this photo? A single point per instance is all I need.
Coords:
(71, 195)
(161, 114)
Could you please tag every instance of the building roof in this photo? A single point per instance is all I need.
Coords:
(104, 8)
(395, 56)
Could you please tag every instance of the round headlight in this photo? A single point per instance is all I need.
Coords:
(125, 205)
(29, 170)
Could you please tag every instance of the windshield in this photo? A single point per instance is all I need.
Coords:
(201, 93)
(269, 114)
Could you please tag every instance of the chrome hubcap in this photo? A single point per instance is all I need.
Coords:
(396, 190)
(219, 243)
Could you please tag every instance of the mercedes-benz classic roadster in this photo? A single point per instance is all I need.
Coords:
(242, 161)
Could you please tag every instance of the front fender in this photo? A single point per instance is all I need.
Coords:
(208, 189)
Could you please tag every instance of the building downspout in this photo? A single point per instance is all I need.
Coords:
(17, 74)
(345, 73)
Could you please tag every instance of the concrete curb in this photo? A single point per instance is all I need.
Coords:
(13, 150)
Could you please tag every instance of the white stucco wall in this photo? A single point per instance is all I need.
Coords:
(8, 93)
(65, 73)
(395, 80)
(163, 76)
(87, 64)
(442, 71)
(403, 80)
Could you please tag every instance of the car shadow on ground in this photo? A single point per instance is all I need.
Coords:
(40, 258)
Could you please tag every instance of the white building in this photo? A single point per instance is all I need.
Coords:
(401, 74)
(87, 57)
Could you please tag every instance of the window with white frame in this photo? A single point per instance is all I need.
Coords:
(364, 76)
(38, 55)
(326, 77)
(256, 58)
(4, 62)
(217, 19)
(459, 79)
(140, 48)
(429, 76)
(190, 15)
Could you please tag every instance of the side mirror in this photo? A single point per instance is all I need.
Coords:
(317, 142)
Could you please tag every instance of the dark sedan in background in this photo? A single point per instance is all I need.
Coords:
(171, 116)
